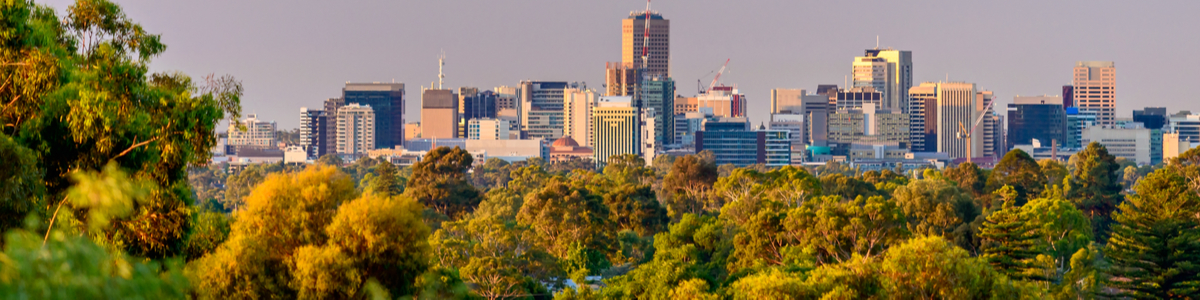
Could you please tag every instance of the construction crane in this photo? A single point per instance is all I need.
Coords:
(963, 133)
(646, 41)
(718, 77)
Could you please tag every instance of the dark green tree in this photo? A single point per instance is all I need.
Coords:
(635, 207)
(439, 182)
(386, 182)
(1095, 186)
(847, 187)
(1155, 242)
(1008, 242)
(687, 185)
(1019, 170)
(968, 176)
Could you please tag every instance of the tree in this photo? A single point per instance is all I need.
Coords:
(330, 160)
(1021, 172)
(933, 268)
(560, 215)
(439, 182)
(696, 247)
(1064, 229)
(935, 207)
(1095, 188)
(628, 168)
(846, 187)
(1053, 171)
(968, 176)
(836, 231)
(1155, 243)
(1008, 242)
(386, 182)
(66, 266)
(635, 208)
(1130, 177)
(687, 184)
(21, 185)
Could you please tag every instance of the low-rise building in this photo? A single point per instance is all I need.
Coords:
(1132, 143)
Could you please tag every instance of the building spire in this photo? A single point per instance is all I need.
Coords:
(441, 64)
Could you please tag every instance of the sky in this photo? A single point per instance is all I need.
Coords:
(291, 54)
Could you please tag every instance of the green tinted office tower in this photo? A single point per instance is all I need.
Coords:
(659, 94)
(387, 101)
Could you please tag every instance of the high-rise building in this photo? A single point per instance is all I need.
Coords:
(1187, 125)
(439, 114)
(732, 142)
(1040, 117)
(258, 133)
(787, 101)
(1151, 117)
(1068, 96)
(647, 124)
(939, 109)
(487, 129)
(615, 128)
(685, 105)
(387, 102)
(857, 98)
(725, 101)
(1095, 89)
(473, 104)
(331, 106)
(869, 124)
(793, 124)
(889, 72)
(659, 94)
(314, 137)
(541, 104)
(577, 115)
(356, 126)
(816, 116)
(632, 33)
(1077, 120)
(1131, 142)
(623, 79)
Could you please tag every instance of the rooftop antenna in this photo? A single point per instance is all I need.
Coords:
(877, 42)
(441, 63)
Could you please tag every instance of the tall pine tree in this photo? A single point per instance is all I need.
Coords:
(1095, 186)
(1155, 243)
(1008, 240)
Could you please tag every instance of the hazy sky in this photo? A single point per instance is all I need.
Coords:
(297, 53)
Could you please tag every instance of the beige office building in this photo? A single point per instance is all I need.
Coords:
(889, 71)
(787, 101)
(1131, 143)
(615, 128)
(1095, 89)
(577, 114)
(632, 33)
(939, 108)
(622, 79)
(356, 129)
(488, 129)
(439, 114)
(258, 133)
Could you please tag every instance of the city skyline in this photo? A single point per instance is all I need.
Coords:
(300, 55)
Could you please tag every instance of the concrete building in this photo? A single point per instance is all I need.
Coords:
(857, 98)
(1174, 145)
(473, 104)
(1187, 125)
(658, 93)
(257, 132)
(659, 53)
(509, 150)
(615, 128)
(439, 114)
(387, 101)
(488, 129)
(412, 130)
(1038, 117)
(507, 97)
(647, 124)
(541, 108)
(898, 77)
(938, 109)
(686, 126)
(793, 124)
(623, 79)
(1077, 120)
(1131, 142)
(685, 105)
(816, 116)
(922, 125)
(356, 129)
(1095, 89)
(314, 133)
(331, 106)
(577, 114)
(725, 101)
(869, 124)
(787, 101)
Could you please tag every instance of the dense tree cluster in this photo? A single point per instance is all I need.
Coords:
(106, 165)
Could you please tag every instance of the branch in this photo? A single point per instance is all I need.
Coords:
(143, 143)
(10, 104)
(51, 226)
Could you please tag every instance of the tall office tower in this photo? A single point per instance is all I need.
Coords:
(646, 122)
(816, 116)
(987, 128)
(1151, 117)
(387, 101)
(473, 104)
(1077, 120)
(258, 133)
(632, 33)
(331, 106)
(956, 105)
(999, 136)
(1040, 117)
(487, 129)
(793, 124)
(356, 126)
(313, 134)
(787, 101)
(733, 142)
(577, 115)
(1068, 96)
(1187, 125)
(922, 119)
(1095, 89)
(623, 79)
(439, 114)
(615, 128)
(869, 124)
(541, 108)
(857, 98)
(658, 93)
(685, 105)
(889, 71)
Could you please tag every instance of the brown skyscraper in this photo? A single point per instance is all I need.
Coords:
(1095, 89)
(633, 30)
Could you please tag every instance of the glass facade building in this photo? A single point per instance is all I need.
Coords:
(732, 143)
(387, 101)
(1044, 122)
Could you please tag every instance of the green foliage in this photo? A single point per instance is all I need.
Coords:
(1009, 242)
(935, 207)
(847, 187)
(330, 160)
(968, 176)
(209, 230)
(1053, 171)
(635, 208)
(1019, 170)
(21, 187)
(560, 215)
(1063, 228)
(1095, 186)
(1155, 244)
(628, 169)
(491, 174)
(73, 267)
(686, 186)
(386, 183)
(836, 231)
(695, 248)
(439, 182)
(933, 268)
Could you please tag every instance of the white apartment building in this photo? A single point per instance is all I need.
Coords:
(257, 133)
(355, 129)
